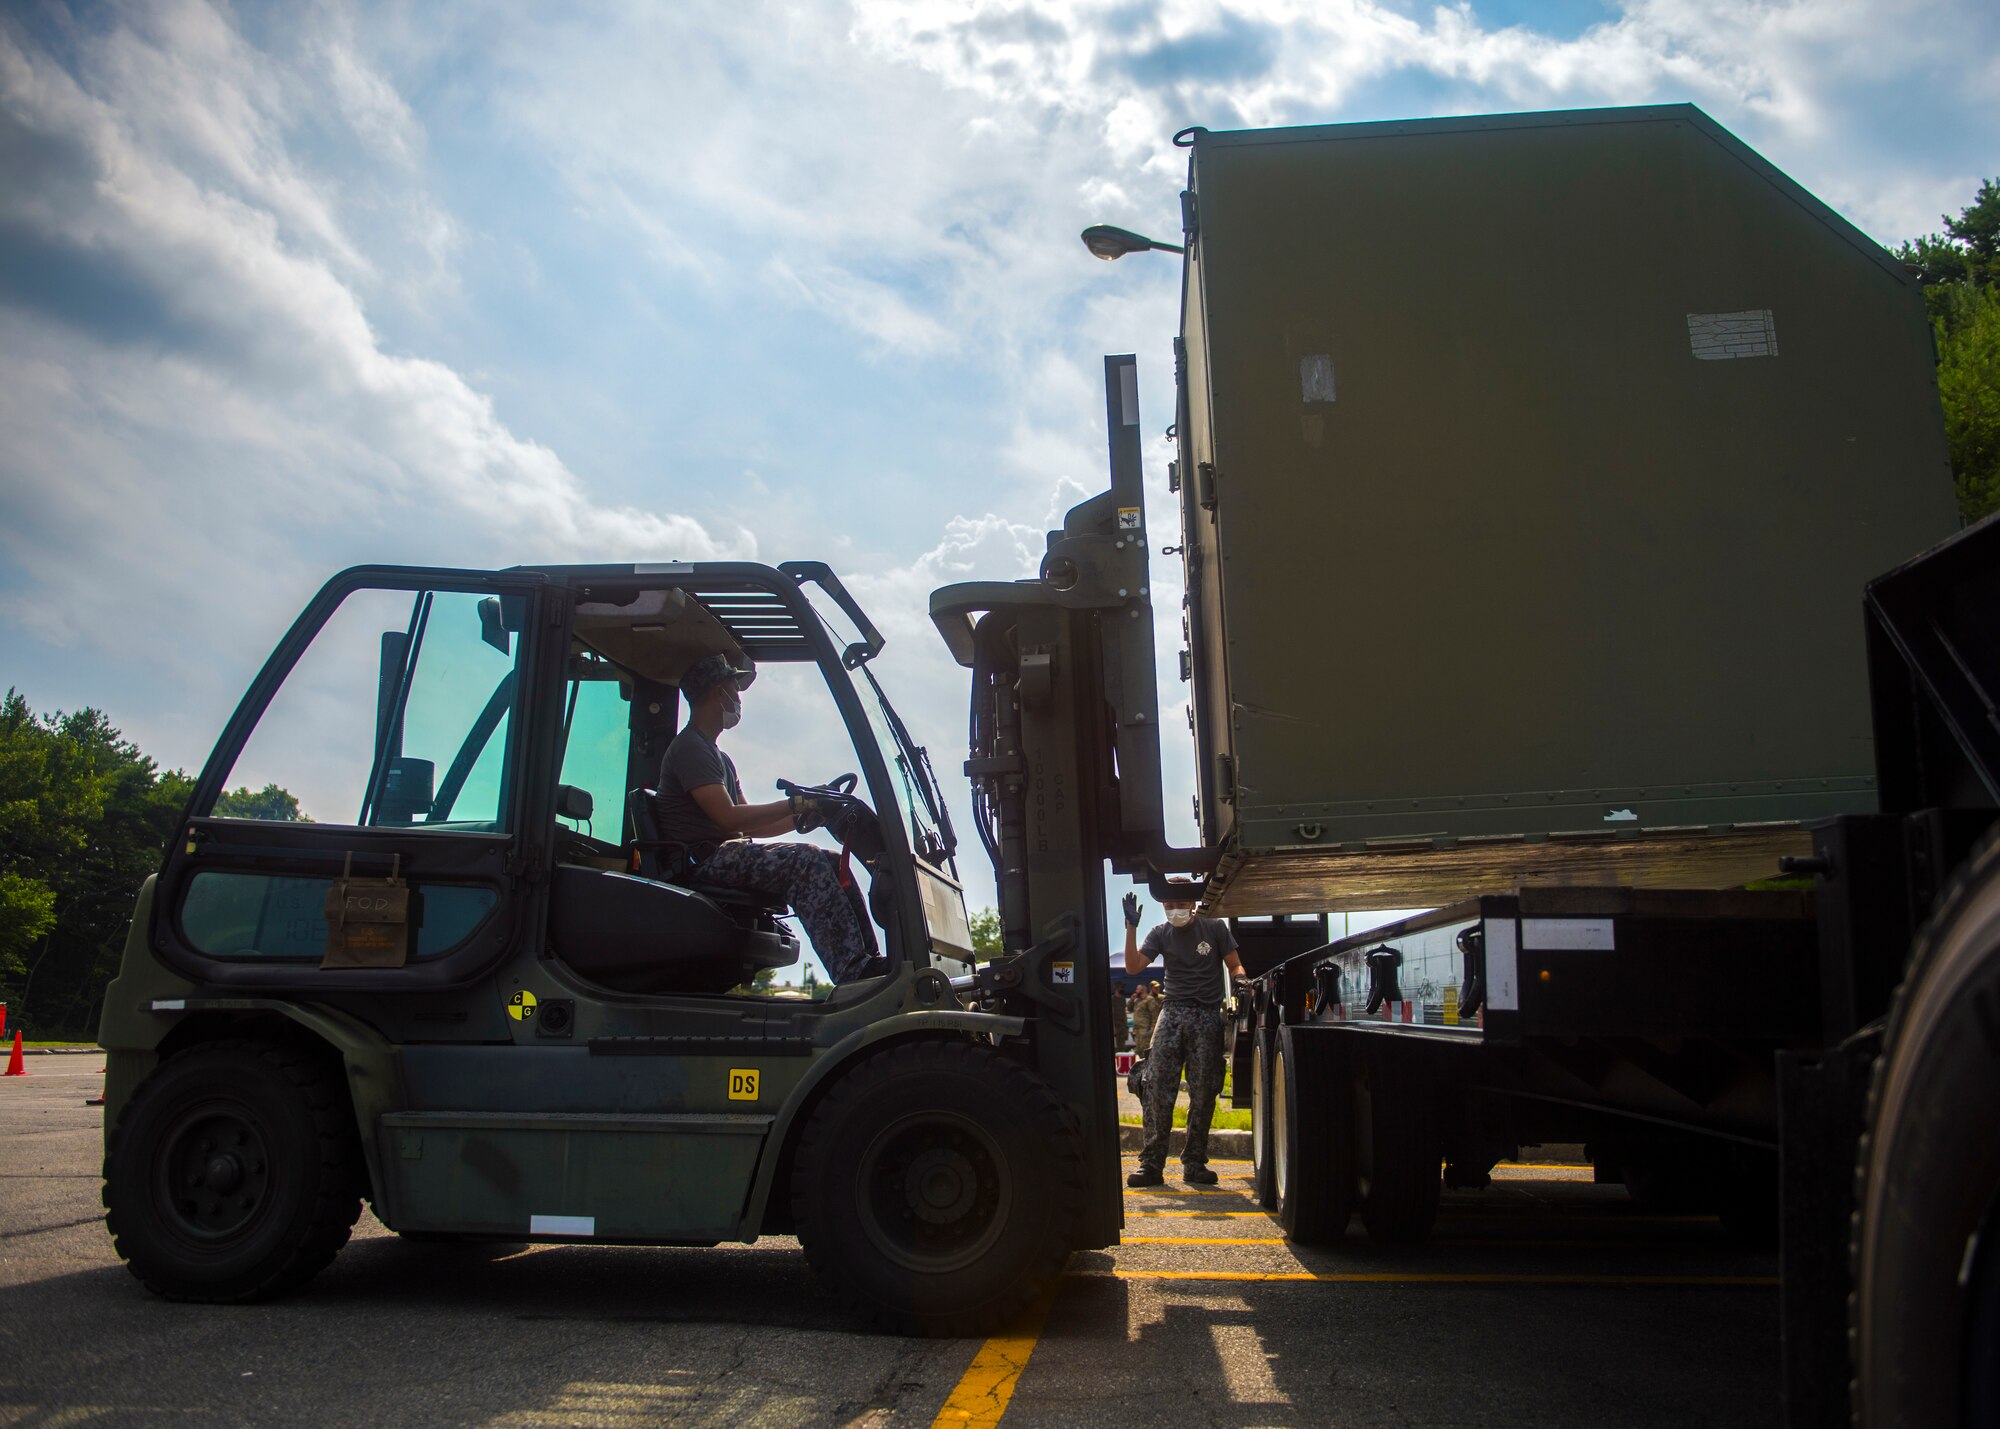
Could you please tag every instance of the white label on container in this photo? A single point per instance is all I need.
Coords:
(1716, 337)
(169, 1004)
(1503, 992)
(1567, 935)
(1128, 394)
(1316, 378)
(562, 1225)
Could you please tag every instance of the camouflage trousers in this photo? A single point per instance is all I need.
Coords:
(1187, 1038)
(808, 878)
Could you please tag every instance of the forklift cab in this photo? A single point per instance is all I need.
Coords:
(488, 731)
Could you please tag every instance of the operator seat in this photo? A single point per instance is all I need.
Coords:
(636, 932)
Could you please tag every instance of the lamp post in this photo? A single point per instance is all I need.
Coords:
(1110, 243)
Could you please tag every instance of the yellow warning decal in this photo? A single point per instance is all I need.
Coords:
(743, 1084)
(521, 1006)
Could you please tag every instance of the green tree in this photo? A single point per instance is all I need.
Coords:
(84, 817)
(985, 926)
(1960, 269)
(270, 803)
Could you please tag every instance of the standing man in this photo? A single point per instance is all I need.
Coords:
(1145, 1014)
(1188, 1034)
(701, 806)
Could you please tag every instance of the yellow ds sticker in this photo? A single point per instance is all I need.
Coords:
(743, 1084)
(521, 1006)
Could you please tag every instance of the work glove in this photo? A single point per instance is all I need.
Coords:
(1131, 910)
(808, 813)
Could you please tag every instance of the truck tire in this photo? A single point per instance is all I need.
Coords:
(1263, 1158)
(1398, 1167)
(1928, 1175)
(234, 1173)
(936, 1188)
(1311, 1139)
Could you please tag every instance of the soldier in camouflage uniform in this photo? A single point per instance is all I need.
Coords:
(1145, 1016)
(700, 806)
(1189, 1034)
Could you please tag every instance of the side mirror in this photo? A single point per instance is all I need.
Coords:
(574, 803)
(406, 791)
(493, 625)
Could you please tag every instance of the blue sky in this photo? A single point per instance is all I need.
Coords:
(286, 288)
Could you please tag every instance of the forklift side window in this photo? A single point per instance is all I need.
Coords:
(400, 714)
(597, 739)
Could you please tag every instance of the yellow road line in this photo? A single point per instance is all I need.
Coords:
(1201, 1240)
(982, 1392)
(1390, 1277)
(1203, 1215)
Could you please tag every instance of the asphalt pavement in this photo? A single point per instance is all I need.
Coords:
(1544, 1300)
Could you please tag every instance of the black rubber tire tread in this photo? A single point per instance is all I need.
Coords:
(1263, 1164)
(1399, 1203)
(1045, 1156)
(1928, 1167)
(326, 1196)
(1317, 1198)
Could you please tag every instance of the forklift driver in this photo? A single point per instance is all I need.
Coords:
(701, 806)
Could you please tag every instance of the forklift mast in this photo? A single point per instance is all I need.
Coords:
(1065, 772)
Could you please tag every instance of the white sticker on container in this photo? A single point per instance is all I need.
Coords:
(1128, 394)
(562, 1225)
(1316, 378)
(169, 1004)
(1503, 992)
(1716, 337)
(1130, 518)
(1567, 935)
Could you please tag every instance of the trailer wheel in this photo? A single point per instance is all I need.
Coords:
(1263, 1159)
(1311, 1141)
(1398, 1161)
(936, 1188)
(234, 1173)
(1928, 1175)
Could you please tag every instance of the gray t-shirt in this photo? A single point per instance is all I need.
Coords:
(1193, 958)
(691, 761)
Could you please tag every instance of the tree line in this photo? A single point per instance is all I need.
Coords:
(1960, 271)
(84, 817)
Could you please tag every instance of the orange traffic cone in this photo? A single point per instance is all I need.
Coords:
(14, 1067)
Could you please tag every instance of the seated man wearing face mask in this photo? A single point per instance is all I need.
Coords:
(701, 806)
(1188, 1034)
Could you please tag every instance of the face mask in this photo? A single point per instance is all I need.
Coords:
(1180, 917)
(732, 711)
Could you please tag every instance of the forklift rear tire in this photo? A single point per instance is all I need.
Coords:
(1311, 1138)
(936, 1188)
(1398, 1165)
(234, 1173)
(1926, 1299)
(1263, 1159)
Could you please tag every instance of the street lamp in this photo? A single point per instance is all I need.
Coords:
(1109, 243)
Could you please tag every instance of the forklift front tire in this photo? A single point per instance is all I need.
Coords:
(935, 1188)
(234, 1173)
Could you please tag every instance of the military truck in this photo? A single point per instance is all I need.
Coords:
(491, 1003)
(1538, 475)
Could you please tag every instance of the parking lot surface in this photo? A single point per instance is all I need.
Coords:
(1542, 1300)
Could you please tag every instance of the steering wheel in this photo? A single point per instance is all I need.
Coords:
(849, 819)
(840, 788)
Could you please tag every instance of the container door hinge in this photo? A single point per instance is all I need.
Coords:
(1187, 665)
(1205, 488)
(1190, 218)
(1225, 779)
(1173, 476)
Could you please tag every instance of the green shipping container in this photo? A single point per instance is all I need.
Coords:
(1533, 466)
